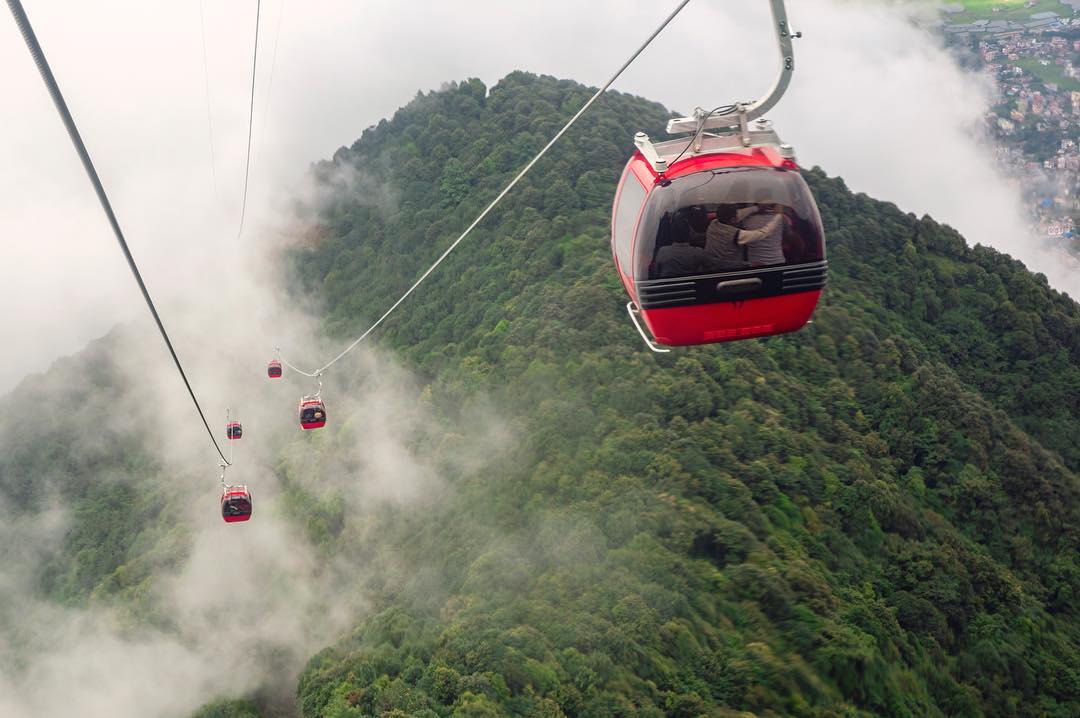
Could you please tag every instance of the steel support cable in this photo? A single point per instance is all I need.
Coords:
(251, 115)
(38, 54)
(206, 86)
(228, 428)
(497, 199)
(296, 369)
(269, 87)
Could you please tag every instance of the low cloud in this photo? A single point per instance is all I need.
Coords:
(248, 604)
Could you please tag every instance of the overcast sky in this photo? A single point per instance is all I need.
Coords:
(874, 99)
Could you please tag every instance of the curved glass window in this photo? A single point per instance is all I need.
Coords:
(312, 413)
(728, 220)
(236, 506)
(626, 213)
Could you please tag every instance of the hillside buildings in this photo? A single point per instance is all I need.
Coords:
(1035, 63)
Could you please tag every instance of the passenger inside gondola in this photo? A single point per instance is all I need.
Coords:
(722, 239)
(680, 258)
(236, 506)
(698, 217)
(312, 414)
(762, 233)
(741, 219)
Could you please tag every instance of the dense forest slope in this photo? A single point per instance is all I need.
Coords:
(876, 516)
(72, 438)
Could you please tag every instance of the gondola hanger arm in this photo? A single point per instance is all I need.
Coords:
(748, 111)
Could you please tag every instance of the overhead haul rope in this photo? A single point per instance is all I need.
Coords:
(269, 87)
(318, 372)
(251, 115)
(228, 430)
(76, 139)
(206, 86)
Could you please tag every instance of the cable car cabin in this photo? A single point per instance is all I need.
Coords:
(235, 504)
(273, 370)
(312, 414)
(233, 430)
(725, 243)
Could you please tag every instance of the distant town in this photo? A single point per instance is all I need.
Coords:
(1032, 51)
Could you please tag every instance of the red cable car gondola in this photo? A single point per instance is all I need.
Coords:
(273, 370)
(235, 503)
(716, 237)
(312, 413)
(233, 430)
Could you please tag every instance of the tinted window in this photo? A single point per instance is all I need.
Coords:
(728, 220)
(236, 507)
(630, 199)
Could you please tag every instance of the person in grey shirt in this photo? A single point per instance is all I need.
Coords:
(680, 258)
(763, 235)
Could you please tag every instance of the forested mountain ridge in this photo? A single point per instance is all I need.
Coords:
(877, 515)
(1021, 340)
(874, 516)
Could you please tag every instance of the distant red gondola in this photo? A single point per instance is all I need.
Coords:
(273, 370)
(235, 503)
(233, 430)
(312, 413)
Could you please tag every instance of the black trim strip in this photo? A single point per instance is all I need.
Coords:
(808, 271)
(805, 285)
(725, 287)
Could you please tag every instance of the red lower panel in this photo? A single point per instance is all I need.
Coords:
(313, 424)
(234, 519)
(729, 321)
